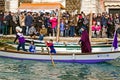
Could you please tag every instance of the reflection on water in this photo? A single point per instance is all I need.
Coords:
(32, 70)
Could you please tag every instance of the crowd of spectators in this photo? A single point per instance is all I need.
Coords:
(105, 24)
(45, 24)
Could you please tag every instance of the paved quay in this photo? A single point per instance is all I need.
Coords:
(64, 39)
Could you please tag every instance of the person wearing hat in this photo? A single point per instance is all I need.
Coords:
(85, 42)
(21, 39)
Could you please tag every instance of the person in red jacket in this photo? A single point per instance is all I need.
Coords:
(51, 46)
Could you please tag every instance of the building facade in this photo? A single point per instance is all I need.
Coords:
(73, 6)
(2, 5)
(94, 6)
(61, 1)
(11, 5)
(112, 6)
(87, 6)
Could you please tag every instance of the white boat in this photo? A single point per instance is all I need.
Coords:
(62, 57)
(67, 47)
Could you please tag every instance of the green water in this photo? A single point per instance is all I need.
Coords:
(33, 70)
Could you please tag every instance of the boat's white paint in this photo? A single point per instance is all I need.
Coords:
(96, 49)
(33, 56)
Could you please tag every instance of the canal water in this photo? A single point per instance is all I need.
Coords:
(11, 69)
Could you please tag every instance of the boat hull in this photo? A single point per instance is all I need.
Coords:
(69, 58)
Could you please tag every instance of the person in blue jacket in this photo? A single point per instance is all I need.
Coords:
(32, 47)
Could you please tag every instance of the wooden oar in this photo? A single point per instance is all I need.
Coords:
(51, 56)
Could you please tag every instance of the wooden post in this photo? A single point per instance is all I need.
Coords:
(58, 27)
(90, 24)
(10, 29)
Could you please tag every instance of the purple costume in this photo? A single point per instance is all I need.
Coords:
(21, 40)
(85, 42)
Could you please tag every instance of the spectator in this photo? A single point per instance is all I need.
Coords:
(9, 20)
(32, 31)
(43, 32)
(110, 28)
(67, 30)
(1, 23)
(22, 22)
(72, 26)
(104, 21)
(98, 30)
(53, 21)
(93, 29)
(28, 22)
(49, 31)
(62, 28)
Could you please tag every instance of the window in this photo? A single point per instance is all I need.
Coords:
(114, 11)
(25, 1)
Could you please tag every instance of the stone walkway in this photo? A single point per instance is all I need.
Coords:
(64, 39)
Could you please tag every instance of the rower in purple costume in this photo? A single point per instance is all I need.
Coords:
(20, 38)
(85, 42)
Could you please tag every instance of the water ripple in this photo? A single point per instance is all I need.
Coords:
(32, 70)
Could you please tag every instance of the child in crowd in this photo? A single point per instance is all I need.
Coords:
(67, 30)
(43, 32)
(20, 38)
(93, 28)
(50, 44)
(32, 31)
(62, 28)
(98, 30)
(32, 47)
